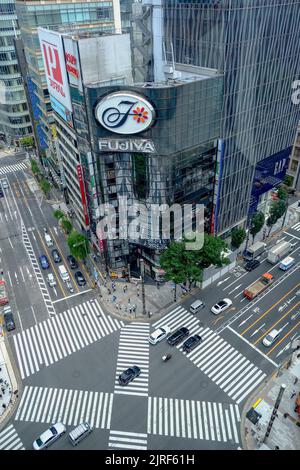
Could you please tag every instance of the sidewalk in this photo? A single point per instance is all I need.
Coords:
(285, 433)
(9, 389)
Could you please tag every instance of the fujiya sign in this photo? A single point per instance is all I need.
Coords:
(125, 113)
(127, 145)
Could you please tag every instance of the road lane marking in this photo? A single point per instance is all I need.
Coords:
(285, 336)
(271, 308)
(252, 346)
(70, 296)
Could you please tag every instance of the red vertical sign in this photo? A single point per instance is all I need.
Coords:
(83, 199)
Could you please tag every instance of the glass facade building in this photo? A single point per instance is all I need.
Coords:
(256, 44)
(14, 116)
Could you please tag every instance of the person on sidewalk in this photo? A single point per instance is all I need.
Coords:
(125, 288)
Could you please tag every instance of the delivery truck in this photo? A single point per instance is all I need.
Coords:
(258, 286)
(254, 250)
(278, 252)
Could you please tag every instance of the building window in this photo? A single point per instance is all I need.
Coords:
(294, 165)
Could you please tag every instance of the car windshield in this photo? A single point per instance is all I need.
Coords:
(53, 430)
(222, 304)
(39, 442)
(269, 338)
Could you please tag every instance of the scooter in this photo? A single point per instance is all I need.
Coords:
(166, 357)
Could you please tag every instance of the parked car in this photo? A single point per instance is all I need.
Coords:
(1, 193)
(221, 306)
(80, 278)
(51, 280)
(191, 343)
(49, 436)
(158, 335)
(4, 184)
(72, 262)
(129, 374)
(8, 319)
(250, 265)
(271, 338)
(44, 261)
(56, 256)
(178, 336)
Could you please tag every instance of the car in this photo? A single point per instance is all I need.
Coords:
(250, 265)
(8, 319)
(4, 184)
(270, 338)
(80, 278)
(178, 336)
(1, 193)
(49, 436)
(56, 256)
(44, 261)
(221, 306)
(158, 335)
(129, 374)
(51, 280)
(72, 262)
(191, 343)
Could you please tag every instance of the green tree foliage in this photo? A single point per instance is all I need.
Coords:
(58, 214)
(66, 225)
(78, 245)
(277, 209)
(45, 186)
(238, 235)
(288, 180)
(257, 223)
(34, 167)
(27, 141)
(282, 194)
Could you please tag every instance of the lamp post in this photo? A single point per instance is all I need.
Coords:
(142, 268)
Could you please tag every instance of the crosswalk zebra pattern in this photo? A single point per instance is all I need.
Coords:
(9, 439)
(12, 168)
(296, 227)
(127, 440)
(61, 335)
(133, 351)
(51, 405)
(215, 357)
(193, 419)
(37, 271)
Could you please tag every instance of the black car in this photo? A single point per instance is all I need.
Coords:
(56, 256)
(250, 265)
(9, 321)
(80, 278)
(191, 343)
(1, 193)
(178, 336)
(129, 374)
(72, 262)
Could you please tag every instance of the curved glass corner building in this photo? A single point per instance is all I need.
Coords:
(256, 44)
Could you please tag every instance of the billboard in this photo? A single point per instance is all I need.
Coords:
(72, 62)
(61, 111)
(55, 68)
(82, 191)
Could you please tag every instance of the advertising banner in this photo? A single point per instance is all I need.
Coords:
(55, 68)
(83, 198)
(72, 62)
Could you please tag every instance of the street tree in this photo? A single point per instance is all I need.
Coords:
(257, 223)
(66, 225)
(45, 186)
(282, 194)
(58, 214)
(288, 180)
(271, 220)
(174, 262)
(34, 167)
(78, 244)
(277, 209)
(238, 235)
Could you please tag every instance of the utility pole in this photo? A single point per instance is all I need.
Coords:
(142, 268)
(274, 412)
(175, 289)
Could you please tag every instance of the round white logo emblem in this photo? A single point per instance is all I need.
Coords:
(125, 113)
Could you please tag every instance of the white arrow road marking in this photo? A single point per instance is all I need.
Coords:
(243, 299)
(10, 243)
(55, 291)
(22, 274)
(56, 232)
(256, 331)
(256, 310)
(16, 276)
(284, 349)
(33, 236)
(244, 321)
(9, 278)
(6, 217)
(237, 287)
(218, 284)
(282, 307)
(291, 300)
(295, 315)
(284, 326)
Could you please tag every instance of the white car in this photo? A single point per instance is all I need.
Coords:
(49, 436)
(158, 335)
(270, 338)
(221, 306)
(51, 280)
(4, 184)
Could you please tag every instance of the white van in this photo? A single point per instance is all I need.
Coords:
(196, 306)
(63, 273)
(271, 338)
(80, 432)
(51, 280)
(48, 240)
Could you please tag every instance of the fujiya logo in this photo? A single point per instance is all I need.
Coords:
(53, 69)
(125, 113)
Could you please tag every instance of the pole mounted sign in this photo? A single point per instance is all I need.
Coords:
(125, 113)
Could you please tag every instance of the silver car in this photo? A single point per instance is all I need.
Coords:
(48, 437)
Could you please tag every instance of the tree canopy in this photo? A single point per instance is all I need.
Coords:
(78, 245)
(238, 235)
(257, 223)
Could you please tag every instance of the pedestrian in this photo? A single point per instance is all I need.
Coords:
(130, 309)
(114, 298)
(296, 380)
(109, 291)
(293, 394)
(138, 294)
(129, 300)
(134, 308)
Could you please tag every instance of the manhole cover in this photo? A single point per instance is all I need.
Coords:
(76, 374)
(203, 384)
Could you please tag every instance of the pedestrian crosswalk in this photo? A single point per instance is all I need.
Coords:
(215, 357)
(296, 227)
(50, 405)
(9, 439)
(193, 419)
(12, 168)
(61, 335)
(127, 440)
(134, 351)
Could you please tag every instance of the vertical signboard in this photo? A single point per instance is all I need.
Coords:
(55, 68)
(217, 190)
(72, 62)
(82, 191)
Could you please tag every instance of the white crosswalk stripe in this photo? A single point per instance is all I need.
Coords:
(127, 440)
(296, 227)
(50, 405)
(133, 351)
(221, 362)
(9, 439)
(12, 168)
(193, 419)
(51, 340)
